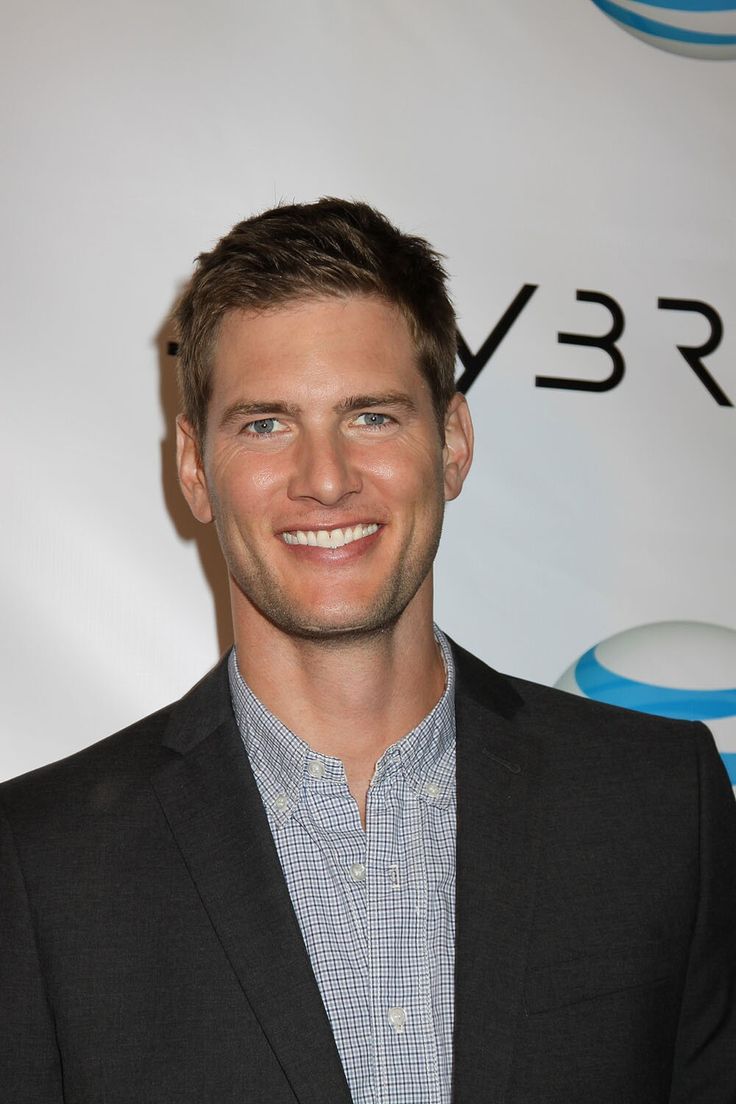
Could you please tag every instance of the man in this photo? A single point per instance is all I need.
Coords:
(251, 895)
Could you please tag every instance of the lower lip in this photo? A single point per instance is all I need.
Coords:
(350, 551)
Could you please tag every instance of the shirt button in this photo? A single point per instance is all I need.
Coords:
(397, 1019)
(431, 789)
(281, 802)
(357, 872)
(316, 768)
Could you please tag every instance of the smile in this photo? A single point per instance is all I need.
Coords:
(330, 538)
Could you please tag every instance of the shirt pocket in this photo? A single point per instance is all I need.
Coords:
(615, 970)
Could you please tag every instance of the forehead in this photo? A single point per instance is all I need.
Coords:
(335, 344)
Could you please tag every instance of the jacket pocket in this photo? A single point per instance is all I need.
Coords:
(613, 970)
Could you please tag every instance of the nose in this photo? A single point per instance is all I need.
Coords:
(323, 469)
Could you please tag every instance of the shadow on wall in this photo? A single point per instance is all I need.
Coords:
(187, 527)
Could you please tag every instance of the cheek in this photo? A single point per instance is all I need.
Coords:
(415, 465)
(265, 479)
(410, 487)
(384, 471)
(244, 482)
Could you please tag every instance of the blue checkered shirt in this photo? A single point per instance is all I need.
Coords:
(376, 908)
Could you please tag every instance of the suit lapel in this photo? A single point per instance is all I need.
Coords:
(496, 851)
(214, 810)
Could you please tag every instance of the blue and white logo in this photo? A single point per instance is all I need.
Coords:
(697, 28)
(683, 669)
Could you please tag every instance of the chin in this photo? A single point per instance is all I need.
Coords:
(338, 630)
(336, 623)
(339, 619)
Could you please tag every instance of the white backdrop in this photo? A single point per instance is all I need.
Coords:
(530, 142)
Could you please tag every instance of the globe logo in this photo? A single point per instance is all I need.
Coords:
(696, 28)
(683, 669)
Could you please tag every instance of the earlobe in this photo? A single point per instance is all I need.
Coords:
(191, 471)
(458, 450)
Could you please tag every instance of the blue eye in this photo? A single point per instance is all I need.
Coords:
(373, 419)
(263, 427)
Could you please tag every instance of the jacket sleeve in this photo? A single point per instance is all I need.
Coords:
(30, 1067)
(704, 1070)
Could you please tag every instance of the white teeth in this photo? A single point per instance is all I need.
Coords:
(333, 538)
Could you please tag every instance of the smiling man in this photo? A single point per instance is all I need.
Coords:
(354, 863)
(325, 465)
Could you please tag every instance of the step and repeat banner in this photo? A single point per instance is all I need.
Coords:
(575, 164)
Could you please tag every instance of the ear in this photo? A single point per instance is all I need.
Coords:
(191, 471)
(458, 451)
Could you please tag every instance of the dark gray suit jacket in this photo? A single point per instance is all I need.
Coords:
(150, 951)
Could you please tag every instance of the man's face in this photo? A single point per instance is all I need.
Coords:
(323, 466)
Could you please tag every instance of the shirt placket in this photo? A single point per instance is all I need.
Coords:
(328, 814)
(378, 857)
(427, 1049)
(403, 1031)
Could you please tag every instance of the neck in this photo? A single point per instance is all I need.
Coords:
(350, 699)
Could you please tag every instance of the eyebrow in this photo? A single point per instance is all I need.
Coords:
(238, 410)
(388, 398)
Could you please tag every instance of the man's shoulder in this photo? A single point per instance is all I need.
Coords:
(124, 756)
(560, 714)
(117, 764)
(572, 744)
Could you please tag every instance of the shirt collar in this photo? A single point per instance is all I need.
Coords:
(283, 764)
